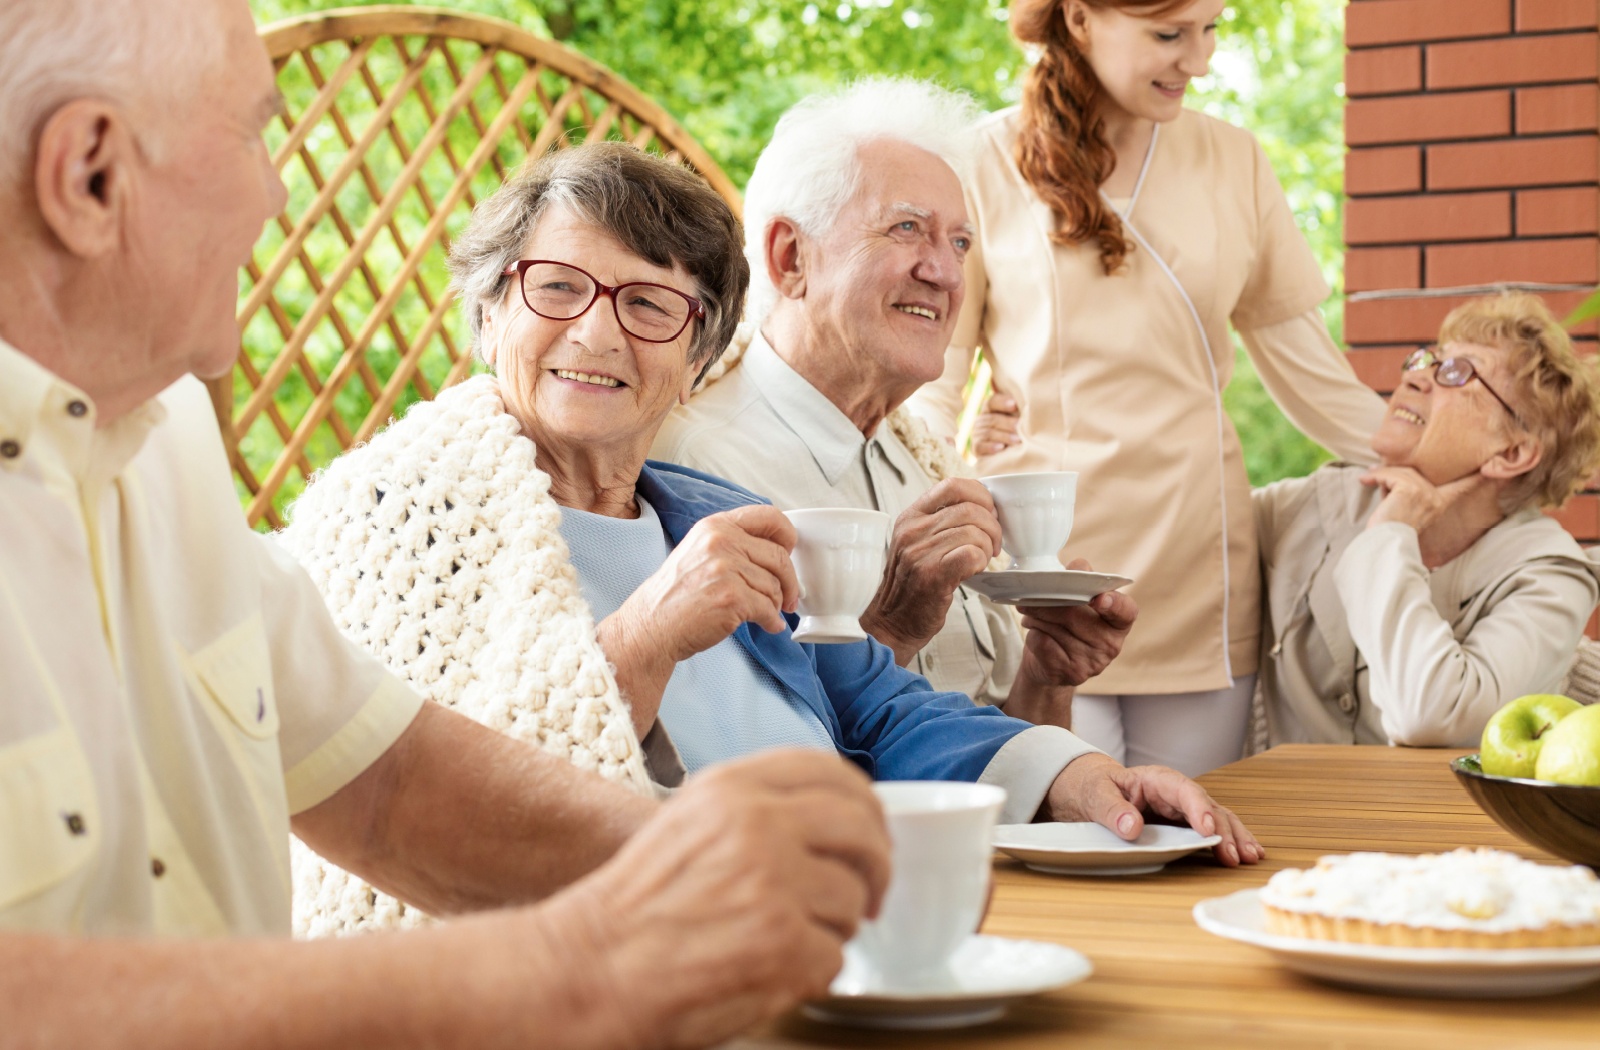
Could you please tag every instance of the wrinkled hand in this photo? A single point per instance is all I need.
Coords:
(1411, 499)
(1065, 647)
(1094, 787)
(735, 901)
(995, 429)
(1068, 645)
(730, 569)
(947, 535)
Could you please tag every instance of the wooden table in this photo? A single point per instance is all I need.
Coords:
(1161, 981)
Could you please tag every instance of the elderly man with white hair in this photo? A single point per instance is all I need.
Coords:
(174, 696)
(856, 232)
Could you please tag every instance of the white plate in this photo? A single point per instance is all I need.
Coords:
(1090, 849)
(1454, 973)
(1045, 586)
(986, 975)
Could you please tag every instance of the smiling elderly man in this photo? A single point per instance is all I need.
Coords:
(856, 232)
(173, 694)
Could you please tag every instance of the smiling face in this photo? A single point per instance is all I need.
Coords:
(585, 386)
(1442, 432)
(885, 281)
(1144, 64)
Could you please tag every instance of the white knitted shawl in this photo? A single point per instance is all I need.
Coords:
(437, 549)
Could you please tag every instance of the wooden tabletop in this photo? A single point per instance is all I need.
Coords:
(1161, 981)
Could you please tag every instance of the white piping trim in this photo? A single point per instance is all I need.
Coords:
(1144, 169)
(1216, 387)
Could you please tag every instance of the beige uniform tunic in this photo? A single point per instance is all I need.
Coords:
(1120, 379)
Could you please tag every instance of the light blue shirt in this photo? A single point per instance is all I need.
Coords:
(719, 704)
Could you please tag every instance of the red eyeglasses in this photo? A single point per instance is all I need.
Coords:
(1455, 372)
(560, 291)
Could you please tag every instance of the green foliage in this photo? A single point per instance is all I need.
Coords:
(1587, 310)
(726, 69)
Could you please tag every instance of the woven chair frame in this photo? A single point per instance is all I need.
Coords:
(398, 120)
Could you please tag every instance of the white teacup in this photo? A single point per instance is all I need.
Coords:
(1035, 512)
(940, 833)
(840, 557)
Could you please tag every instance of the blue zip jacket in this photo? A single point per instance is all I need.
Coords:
(881, 716)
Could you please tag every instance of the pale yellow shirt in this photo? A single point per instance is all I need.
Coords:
(765, 427)
(171, 686)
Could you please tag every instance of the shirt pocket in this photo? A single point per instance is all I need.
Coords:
(236, 672)
(49, 823)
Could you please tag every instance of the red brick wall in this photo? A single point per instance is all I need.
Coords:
(1473, 159)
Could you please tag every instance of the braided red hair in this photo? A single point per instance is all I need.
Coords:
(1061, 146)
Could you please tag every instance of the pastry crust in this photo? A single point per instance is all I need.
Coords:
(1397, 935)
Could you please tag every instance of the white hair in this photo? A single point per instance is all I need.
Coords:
(809, 171)
(54, 51)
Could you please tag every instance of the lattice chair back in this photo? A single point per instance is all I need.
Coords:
(398, 121)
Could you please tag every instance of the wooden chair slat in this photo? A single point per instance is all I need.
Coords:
(335, 182)
(327, 92)
(364, 239)
(397, 121)
(336, 380)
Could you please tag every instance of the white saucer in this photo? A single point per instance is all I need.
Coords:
(1453, 973)
(987, 974)
(1045, 586)
(1090, 849)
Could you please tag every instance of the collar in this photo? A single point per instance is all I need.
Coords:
(25, 386)
(833, 440)
(42, 416)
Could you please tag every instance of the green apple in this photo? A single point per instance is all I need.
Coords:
(1515, 734)
(1571, 751)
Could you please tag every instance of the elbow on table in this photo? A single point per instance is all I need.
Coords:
(1431, 729)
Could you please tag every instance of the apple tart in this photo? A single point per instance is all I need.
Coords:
(1479, 898)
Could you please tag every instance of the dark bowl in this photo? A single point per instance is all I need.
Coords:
(1561, 818)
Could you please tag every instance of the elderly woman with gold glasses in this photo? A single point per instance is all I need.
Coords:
(1407, 602)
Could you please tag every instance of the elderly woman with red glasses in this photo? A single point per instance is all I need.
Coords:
(508, 548)
(1407, 602)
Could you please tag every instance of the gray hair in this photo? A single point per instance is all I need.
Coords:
(810, 169)
(659, 210)
(55, 51)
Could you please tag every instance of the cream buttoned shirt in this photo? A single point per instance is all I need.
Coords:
(765, 427)
(171, 686)
(1364, 644)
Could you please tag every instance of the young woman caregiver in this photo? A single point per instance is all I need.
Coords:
(1119, 234)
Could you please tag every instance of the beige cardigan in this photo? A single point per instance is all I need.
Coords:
(1119, 378)
(1363, 645)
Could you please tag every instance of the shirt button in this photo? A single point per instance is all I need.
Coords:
(157, 868)
(10, 449)
(75, 824)
(77, 409)
(1347, 703)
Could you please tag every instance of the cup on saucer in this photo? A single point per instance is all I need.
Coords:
(1035, 512)
(940, 833)
(839, 557)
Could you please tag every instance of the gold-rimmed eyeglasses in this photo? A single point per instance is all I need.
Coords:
(1455, 372)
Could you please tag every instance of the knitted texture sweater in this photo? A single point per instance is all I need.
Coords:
(438, 550)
